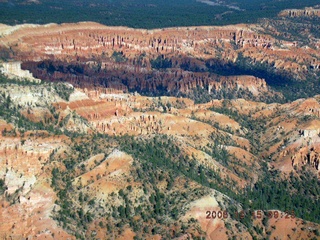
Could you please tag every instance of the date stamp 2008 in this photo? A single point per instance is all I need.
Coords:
(255, 214)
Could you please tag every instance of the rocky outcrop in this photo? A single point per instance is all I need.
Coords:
(307, 12)
(307, 156)
(13, 70)
(28, 200)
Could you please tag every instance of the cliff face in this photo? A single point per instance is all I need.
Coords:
(174, 81)
(173, 59)
(13, 70)
(88, 40)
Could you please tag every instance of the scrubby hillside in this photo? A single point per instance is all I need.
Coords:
(106, 165)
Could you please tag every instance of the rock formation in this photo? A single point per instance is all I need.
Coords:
(13, 70)
(170, 60)
(307, 12)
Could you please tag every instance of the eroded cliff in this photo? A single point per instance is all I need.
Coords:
(174, 61)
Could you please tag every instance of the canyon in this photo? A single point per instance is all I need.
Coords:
(174, 60)
(120, 133)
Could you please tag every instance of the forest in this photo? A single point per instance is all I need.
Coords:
(143, 13)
